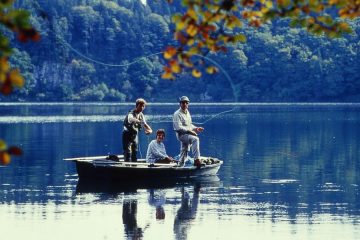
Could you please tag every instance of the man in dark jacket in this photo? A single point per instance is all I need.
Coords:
(133, 123)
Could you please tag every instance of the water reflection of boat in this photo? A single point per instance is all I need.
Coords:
(85, 186)
(157, 189)
(99, 168)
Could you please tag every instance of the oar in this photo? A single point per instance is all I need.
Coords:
(91, 158)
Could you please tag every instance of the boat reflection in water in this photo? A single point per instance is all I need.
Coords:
(132, 195)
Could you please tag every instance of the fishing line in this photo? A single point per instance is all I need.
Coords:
(103, 63)
(216, 115)
(139, 148)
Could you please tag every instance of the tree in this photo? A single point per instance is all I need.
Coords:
(210, 26)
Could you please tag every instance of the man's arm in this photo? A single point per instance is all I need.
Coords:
(148, 129)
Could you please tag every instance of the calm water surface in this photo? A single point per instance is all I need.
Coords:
(291, 171)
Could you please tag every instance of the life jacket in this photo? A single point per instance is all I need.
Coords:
(132, 127)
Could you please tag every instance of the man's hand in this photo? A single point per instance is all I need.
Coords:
(199, 129)
(147, 129)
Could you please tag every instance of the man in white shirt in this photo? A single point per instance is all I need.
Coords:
(156, 152)
(186, 132)
(133, 123)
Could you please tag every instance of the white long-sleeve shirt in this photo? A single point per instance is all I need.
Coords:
(182, 121)
(155, 151)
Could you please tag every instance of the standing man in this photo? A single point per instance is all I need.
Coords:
(186, 132)
(133, 123)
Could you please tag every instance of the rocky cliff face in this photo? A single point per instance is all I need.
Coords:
(52, 74)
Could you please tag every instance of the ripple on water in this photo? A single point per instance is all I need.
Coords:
(279, 181)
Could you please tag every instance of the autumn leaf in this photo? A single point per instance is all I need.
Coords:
(192, 13)
(4, 64)
(13, 150)
(6, 88)
(16, 79)
(180, 25)
(240, 38)
(191, 30)
(196, 73)
(169, 52)
(4, 158)
(212, 70)
(168, 75)
(3, 145)
(174, 66)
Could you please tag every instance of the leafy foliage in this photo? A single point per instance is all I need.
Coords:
(6, 151)
(210, 26)
(16, 21)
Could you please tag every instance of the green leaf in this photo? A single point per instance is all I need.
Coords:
(240, 38)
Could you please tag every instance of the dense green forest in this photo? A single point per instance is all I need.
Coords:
(100, 50)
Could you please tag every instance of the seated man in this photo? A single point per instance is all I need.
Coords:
(156, 152)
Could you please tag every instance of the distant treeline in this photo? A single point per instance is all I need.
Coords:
(278, 63)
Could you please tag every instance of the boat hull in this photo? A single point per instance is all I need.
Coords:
(127, 171)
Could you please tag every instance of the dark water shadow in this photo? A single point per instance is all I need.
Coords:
(133, 186)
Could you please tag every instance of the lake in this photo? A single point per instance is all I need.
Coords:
(291, 171)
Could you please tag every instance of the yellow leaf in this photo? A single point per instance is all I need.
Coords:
(284, 3)
(193, 50)
(190, 42)
(207, 16)
(188, 63)
(2, 77)
(169, 52)
(196, 73)
(16, 79)
(180, 25)
(4, 65)
(269, 4)
(175, 67)
(192, 13)
(343, 26)
(233, 22)
(167, 75)
(212, 70)
(240, 38)
(3, 145)
(4, 158)
(191, 30)
(311, 20)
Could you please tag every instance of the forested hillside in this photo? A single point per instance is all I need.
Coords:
(100, 50)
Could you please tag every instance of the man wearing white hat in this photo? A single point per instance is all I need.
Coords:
(186, 132)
